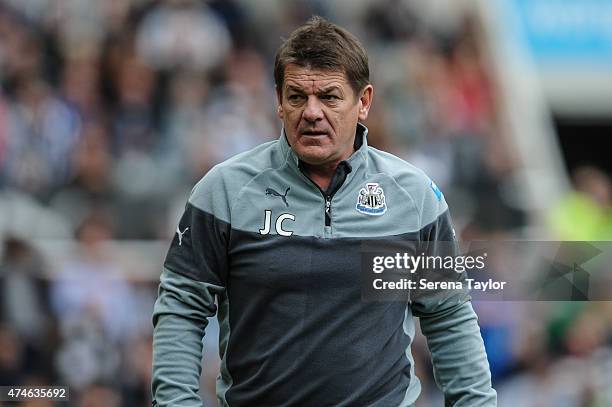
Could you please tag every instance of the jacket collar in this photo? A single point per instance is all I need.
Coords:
(356, 160)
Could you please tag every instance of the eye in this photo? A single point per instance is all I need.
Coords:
(295, 98)
(330, 97)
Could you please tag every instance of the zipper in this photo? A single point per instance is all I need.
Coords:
(338, 179)
(328, 210)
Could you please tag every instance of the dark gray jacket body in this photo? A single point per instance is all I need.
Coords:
(281, 258)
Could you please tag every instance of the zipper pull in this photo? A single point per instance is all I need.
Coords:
(327, 210)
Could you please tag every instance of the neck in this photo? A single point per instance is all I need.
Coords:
(321, 174)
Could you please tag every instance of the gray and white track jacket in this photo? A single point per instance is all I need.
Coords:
(276, 259)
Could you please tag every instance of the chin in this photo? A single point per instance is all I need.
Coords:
(313, 157)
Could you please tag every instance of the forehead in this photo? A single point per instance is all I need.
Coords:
(307, 78)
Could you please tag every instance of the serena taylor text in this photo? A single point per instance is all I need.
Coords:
(424, 284)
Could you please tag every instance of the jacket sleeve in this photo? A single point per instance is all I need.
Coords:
(194, 274)
(450, 326)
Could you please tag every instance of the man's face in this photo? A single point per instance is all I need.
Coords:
(320, 110)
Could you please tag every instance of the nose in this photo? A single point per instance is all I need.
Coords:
(313, 111)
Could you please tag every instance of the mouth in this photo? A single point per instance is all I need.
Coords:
(313, 133)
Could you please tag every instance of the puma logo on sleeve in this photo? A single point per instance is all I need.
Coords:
(180, 234)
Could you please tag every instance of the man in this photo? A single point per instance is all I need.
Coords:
(273, 236)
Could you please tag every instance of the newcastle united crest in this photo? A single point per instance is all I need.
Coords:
(371, 200)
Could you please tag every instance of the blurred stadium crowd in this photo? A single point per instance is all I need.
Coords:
(110, 111)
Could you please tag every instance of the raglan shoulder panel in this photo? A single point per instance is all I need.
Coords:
(423, 191)
(216, 191)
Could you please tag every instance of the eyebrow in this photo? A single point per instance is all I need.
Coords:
(327, 89)
(294, 89)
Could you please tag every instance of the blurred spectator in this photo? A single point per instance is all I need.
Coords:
(184, 124)
(183, 33)
(134, 85)
(92, 185)
(81, 82)
(24, 301)
(27, 337)
(92, 287)
(95, 306)
(390, 20)
(43, 132)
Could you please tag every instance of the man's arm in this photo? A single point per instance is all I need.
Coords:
(450, 325)
(180, 317)
(195, 272)
(460, 363)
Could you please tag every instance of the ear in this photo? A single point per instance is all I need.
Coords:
(365, 101)
(279, 102)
